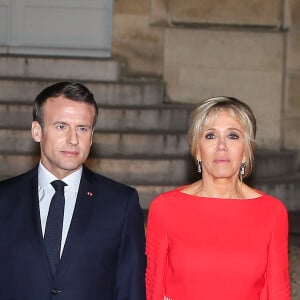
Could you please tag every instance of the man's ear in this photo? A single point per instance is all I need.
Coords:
(92, 137)
(36, 131)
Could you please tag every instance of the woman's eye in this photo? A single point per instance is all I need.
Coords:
(209, 136)
(233, 136)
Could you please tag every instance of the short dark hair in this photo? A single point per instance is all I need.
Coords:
(70, 90)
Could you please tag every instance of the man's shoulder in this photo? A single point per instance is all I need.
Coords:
(107, 183)
(14, 181)
(113, 193)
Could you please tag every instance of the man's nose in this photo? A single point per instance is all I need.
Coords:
(72, 137)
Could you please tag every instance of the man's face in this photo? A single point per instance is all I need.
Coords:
(66, 136)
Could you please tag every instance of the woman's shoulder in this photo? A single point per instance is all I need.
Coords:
(271, 203)
(273, 200)
(253, 193)
(169, 194)
(166, 197)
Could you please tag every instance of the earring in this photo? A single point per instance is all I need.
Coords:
(199, 166)
(243, 169)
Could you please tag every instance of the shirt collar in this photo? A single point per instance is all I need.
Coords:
(45, 178)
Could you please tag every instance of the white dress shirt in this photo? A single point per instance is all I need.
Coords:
(46, 192)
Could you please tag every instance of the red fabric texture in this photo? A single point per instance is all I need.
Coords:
(212, 249)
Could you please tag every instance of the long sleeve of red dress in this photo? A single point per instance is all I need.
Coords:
(212, 249)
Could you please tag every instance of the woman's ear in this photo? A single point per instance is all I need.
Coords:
(36, 131)
(245, 158)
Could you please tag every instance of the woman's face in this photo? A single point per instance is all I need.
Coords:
(221, 147)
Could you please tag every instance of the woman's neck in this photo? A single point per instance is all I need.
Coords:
(219, 188)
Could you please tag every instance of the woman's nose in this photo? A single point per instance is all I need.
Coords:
(221, 146)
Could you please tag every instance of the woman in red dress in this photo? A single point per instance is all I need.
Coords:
(218, 238)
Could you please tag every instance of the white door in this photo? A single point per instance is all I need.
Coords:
(56, 27)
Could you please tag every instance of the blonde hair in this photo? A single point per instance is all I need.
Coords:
(207, 112)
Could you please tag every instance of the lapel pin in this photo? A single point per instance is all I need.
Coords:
(89, 194)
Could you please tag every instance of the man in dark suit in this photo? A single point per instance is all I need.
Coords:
(66, 232)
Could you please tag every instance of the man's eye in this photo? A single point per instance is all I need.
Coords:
(83, 129)
(233, 136)
(209, 136)
(61, 126)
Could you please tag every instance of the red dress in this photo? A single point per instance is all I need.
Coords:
(217, 249)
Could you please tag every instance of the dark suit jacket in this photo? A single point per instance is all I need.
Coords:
(103, 256)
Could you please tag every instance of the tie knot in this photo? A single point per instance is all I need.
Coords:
(58, 185)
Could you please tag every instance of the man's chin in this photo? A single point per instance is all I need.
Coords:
(70, 168)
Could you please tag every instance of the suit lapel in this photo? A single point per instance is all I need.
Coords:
(80, 220)
(29, 195)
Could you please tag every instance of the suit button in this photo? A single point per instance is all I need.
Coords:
(55, 291)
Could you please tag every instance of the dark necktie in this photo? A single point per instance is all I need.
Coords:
(54, 224)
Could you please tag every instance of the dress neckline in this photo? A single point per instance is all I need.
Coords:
(261, 194)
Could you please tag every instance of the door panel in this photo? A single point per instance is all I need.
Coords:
(72, 28)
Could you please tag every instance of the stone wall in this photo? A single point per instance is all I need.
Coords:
(244, 13)
(202, 48)
(291, 120)
(134, 40)
(243, 64)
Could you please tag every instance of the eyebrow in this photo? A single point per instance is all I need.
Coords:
(59, 122)
(64, 123)
(231, 128)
